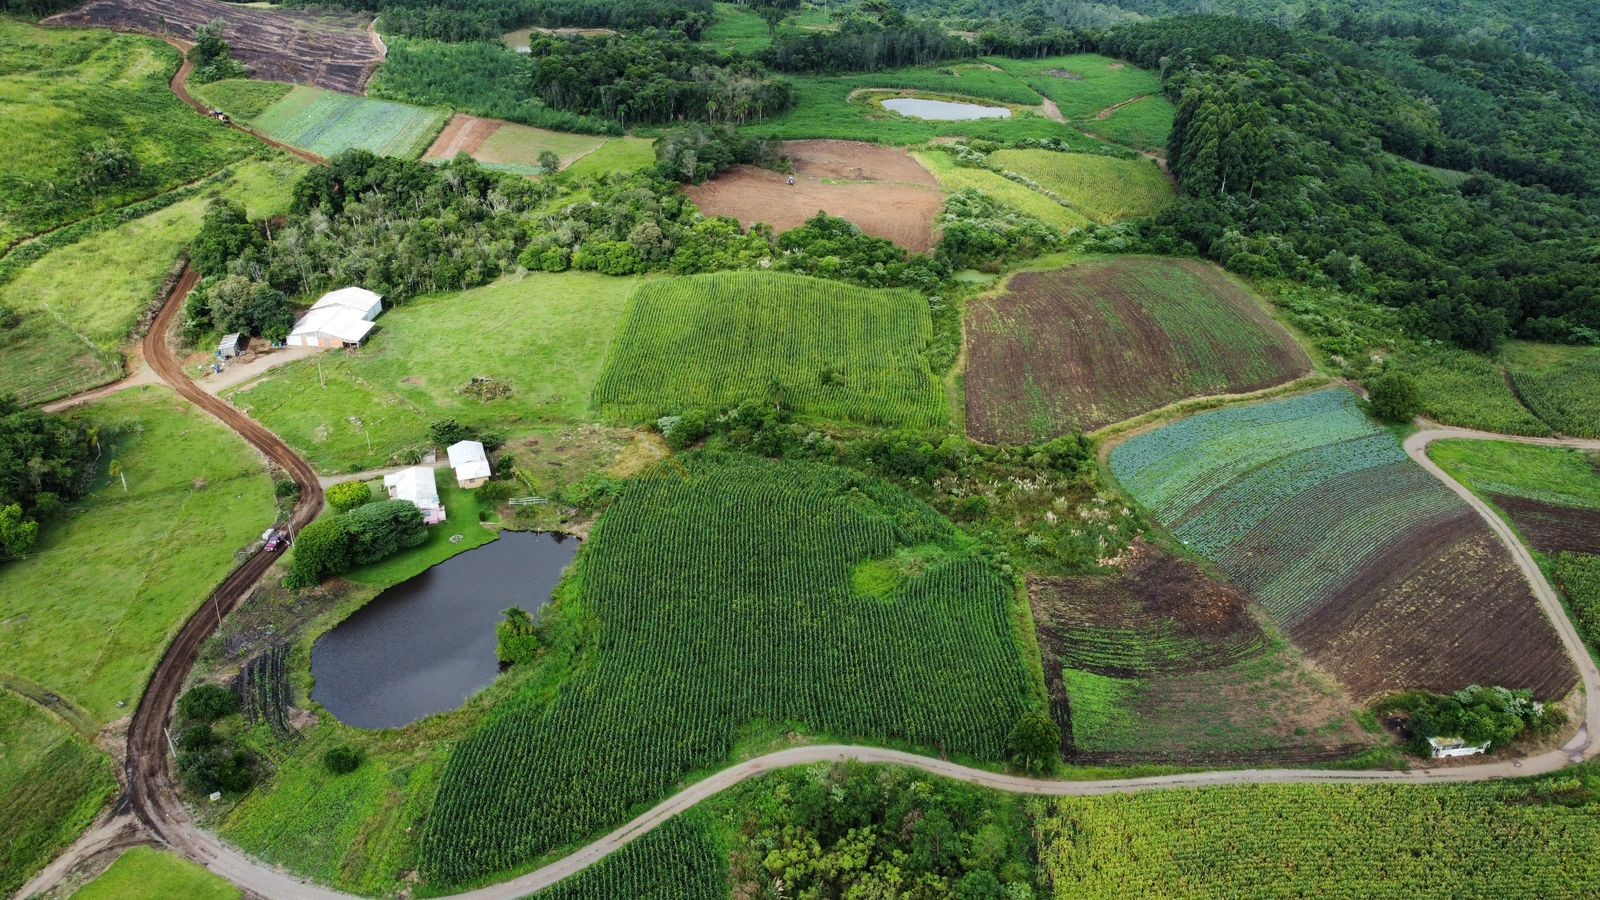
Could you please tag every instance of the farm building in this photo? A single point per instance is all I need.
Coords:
(470, 463)
(232, 345)
(342, 318)
(1444, 747)
(416, 486)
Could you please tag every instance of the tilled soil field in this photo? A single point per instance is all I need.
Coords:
(1086, 346)
(464, 134)
(1551, 528)
(882, 190)
(333, 52)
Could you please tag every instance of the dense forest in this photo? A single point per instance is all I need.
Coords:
(486, 20)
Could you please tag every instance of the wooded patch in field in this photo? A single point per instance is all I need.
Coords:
(721, 594)
(1386, 578)
(826, 350)
(1077, 348)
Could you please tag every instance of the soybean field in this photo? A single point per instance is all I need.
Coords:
(1381, 574)
(824, 350)
(722, 598)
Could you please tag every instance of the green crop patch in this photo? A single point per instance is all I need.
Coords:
(678, 861)
(1077, 348)
(825, 350)
(720, 591)
(1320, 515)
(1561, 385)
(1102, 188)
(144, 873)
(328, 123)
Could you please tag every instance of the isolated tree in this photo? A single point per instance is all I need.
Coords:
(225, 233)
(207, 703)
(773, 12)
(1035, 741)
(1395, 397)
(549, 162)
(17, 532)
(348, 496)
(323, 548)
(384, 528)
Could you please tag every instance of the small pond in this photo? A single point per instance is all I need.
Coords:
(944, 110)
(427, 644)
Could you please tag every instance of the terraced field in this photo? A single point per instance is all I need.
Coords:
(328, 123)
(1078, 348)
(1384, 577)
(755, 334)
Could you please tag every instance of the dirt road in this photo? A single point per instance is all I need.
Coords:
(180, 87)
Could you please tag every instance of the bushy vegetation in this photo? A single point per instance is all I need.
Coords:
(693, 154)
(864, 43)
(781, 637)
(1478, 715)
(1395, 397)
(368, 533)
(349, 495)
(208, 762)
(45, 461)
(485, 20)
(211, 56)
(516, 640)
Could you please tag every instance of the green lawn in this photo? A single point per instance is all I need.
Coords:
(1007, 192)
(52, 783)
(80, 303)
(328, 123)
(65, 91)
(240, 98)
(1102, 188)
(88, 612)
(544, 334)
(144, 873)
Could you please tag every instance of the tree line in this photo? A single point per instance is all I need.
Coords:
(487, 20)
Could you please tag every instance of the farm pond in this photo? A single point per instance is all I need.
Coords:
(426, 644)
(944, 110)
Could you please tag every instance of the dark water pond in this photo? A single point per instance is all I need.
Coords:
(427, 644)
(944, 110)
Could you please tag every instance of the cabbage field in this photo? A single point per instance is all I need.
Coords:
(722, 598)
(1370, 564)
(328, 123)
(822, 349)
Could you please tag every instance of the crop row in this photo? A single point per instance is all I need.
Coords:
(678, 861)
(1563, 395)
(722, 598)
(328, 123)
(821, 348)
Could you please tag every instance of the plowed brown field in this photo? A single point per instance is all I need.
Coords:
(333, 52)
(1550, 528)
(882, 190)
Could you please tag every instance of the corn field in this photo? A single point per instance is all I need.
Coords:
(678, 861)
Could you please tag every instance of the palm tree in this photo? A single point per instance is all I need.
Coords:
(116, 472)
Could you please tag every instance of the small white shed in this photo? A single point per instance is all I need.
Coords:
(470, 463)
(416, 486)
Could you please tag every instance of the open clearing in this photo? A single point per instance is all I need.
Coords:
(328, 123)
(1160, 663)
(550, 335)
(1103, 188)
(750, 329)
(332, 52)
(1000, 189)
(1383, 576)
(90, 609)
(761, 565)
(1077, 348)
(144, 873)
(80, 303)
(884, 191)
(511, 147)
(66, 90)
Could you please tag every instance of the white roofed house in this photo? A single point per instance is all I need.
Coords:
(342, 318)
(470, 462)
(416, 486)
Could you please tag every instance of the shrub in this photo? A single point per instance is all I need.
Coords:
(216, 769)
(1395, 397)
(198, 737)
(322, 549)
(448, 431)
(1034, 742)
(286, 488)
(496, 493)
(515, 639)
(341, 760)
(348, 496)
(207, 703)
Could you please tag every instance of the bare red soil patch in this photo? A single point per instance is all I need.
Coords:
(1551, 528)
(327, 51)
(464, 134)
(890, 195)
(1442, 609)
(1099, 342)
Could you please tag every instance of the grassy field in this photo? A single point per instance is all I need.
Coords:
(52, 784)
(241, 98)
(545, 335)
(1087, 86)
(1560, 384)
(326, 123)
(1554, 475)
(1319, 514)
(1081, 347)
(144, 873)
(1328, 841)
(615, 155)
(520, 145)
(1005, 191)
(79, 303)
(67, 90)
(1103, 189)
(89, 611)
(751, 330)
(770, 630)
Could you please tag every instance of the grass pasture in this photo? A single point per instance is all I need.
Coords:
(80, 303)
(327, 123)
(52, 784)
(144, 873)
(1003, 190)
(1143, 124)
(767, 632)
(111, 580)
(544, 334)
(751, 330)
(66, 90)
(241, 98)
(1100, 95)
(1319, 514)
(1102, 188)
(1105, 340)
